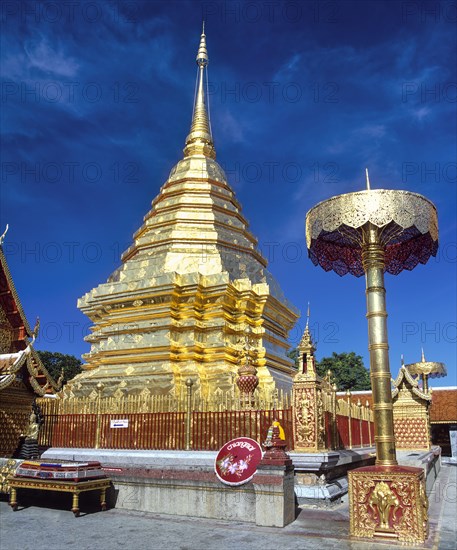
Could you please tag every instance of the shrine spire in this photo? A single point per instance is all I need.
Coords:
(307, 317)
(200, 140)
(367, 177)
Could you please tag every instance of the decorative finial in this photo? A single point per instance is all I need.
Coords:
(402, 360)
(423, 355)
(368, 179)
(306, 349)
(4, 233)
(61, 378)
(199, 142)
(202, 54)
(36, 329)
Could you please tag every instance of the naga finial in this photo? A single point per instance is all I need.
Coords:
(2, 238)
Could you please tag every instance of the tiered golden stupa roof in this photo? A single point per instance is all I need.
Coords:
(189, 285)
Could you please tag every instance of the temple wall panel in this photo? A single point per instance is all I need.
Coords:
(15, 406)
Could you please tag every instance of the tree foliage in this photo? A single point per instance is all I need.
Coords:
(348, 371)
(55, 362)
(293, 355)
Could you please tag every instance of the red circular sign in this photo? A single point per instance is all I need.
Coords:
(237, 461)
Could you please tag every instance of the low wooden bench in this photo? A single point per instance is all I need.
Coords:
(74, 487)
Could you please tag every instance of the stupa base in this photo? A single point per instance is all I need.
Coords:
(388, 502)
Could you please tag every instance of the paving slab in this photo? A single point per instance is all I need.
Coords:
(49, 525)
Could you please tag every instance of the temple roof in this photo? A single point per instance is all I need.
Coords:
(404, 377)
(18, 359)
(26, 365)
(10, 303)
(443, 408)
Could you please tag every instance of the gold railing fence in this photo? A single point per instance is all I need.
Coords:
(146, 402)
(354, 410)
(174, 421)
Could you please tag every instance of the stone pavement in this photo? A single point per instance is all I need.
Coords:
(53, 527)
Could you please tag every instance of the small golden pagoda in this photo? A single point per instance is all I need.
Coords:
(412, 403)
(411, 407)
(307, 394)
(189, 286)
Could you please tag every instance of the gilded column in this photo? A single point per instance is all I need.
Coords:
(369, 233)
(374, 265)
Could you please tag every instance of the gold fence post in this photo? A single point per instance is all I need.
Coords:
(329, 408)
(348, 394)
(335, 444)
(367, 405)
(100, 387)
(189, 384)
(359, 405)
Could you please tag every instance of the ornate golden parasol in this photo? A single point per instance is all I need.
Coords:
(371, 232)
(427, 369)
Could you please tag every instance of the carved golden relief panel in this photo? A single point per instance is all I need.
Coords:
(6, 333)
(7, 469)
(304, 418)
(388, 503)
(14, 423)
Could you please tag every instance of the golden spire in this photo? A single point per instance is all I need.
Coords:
(200, 141)
(306, 344)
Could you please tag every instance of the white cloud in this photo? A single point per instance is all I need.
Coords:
(421, 113)
(372, 130)
(231, 127)
(288, 67)
(50, 60)
(38, 54)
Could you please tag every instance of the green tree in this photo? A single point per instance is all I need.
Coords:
(55, 362)
(348, 371)
(293, 354)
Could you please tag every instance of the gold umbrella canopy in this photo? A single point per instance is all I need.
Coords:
(407, 227)
(426, 370)
(432, 369)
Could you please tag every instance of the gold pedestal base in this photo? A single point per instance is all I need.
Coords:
(388, 502)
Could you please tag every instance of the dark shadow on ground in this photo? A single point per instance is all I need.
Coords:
(89, 503)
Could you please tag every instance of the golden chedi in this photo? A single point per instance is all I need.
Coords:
(189, 286)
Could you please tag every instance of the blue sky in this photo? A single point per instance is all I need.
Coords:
(96, 104)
